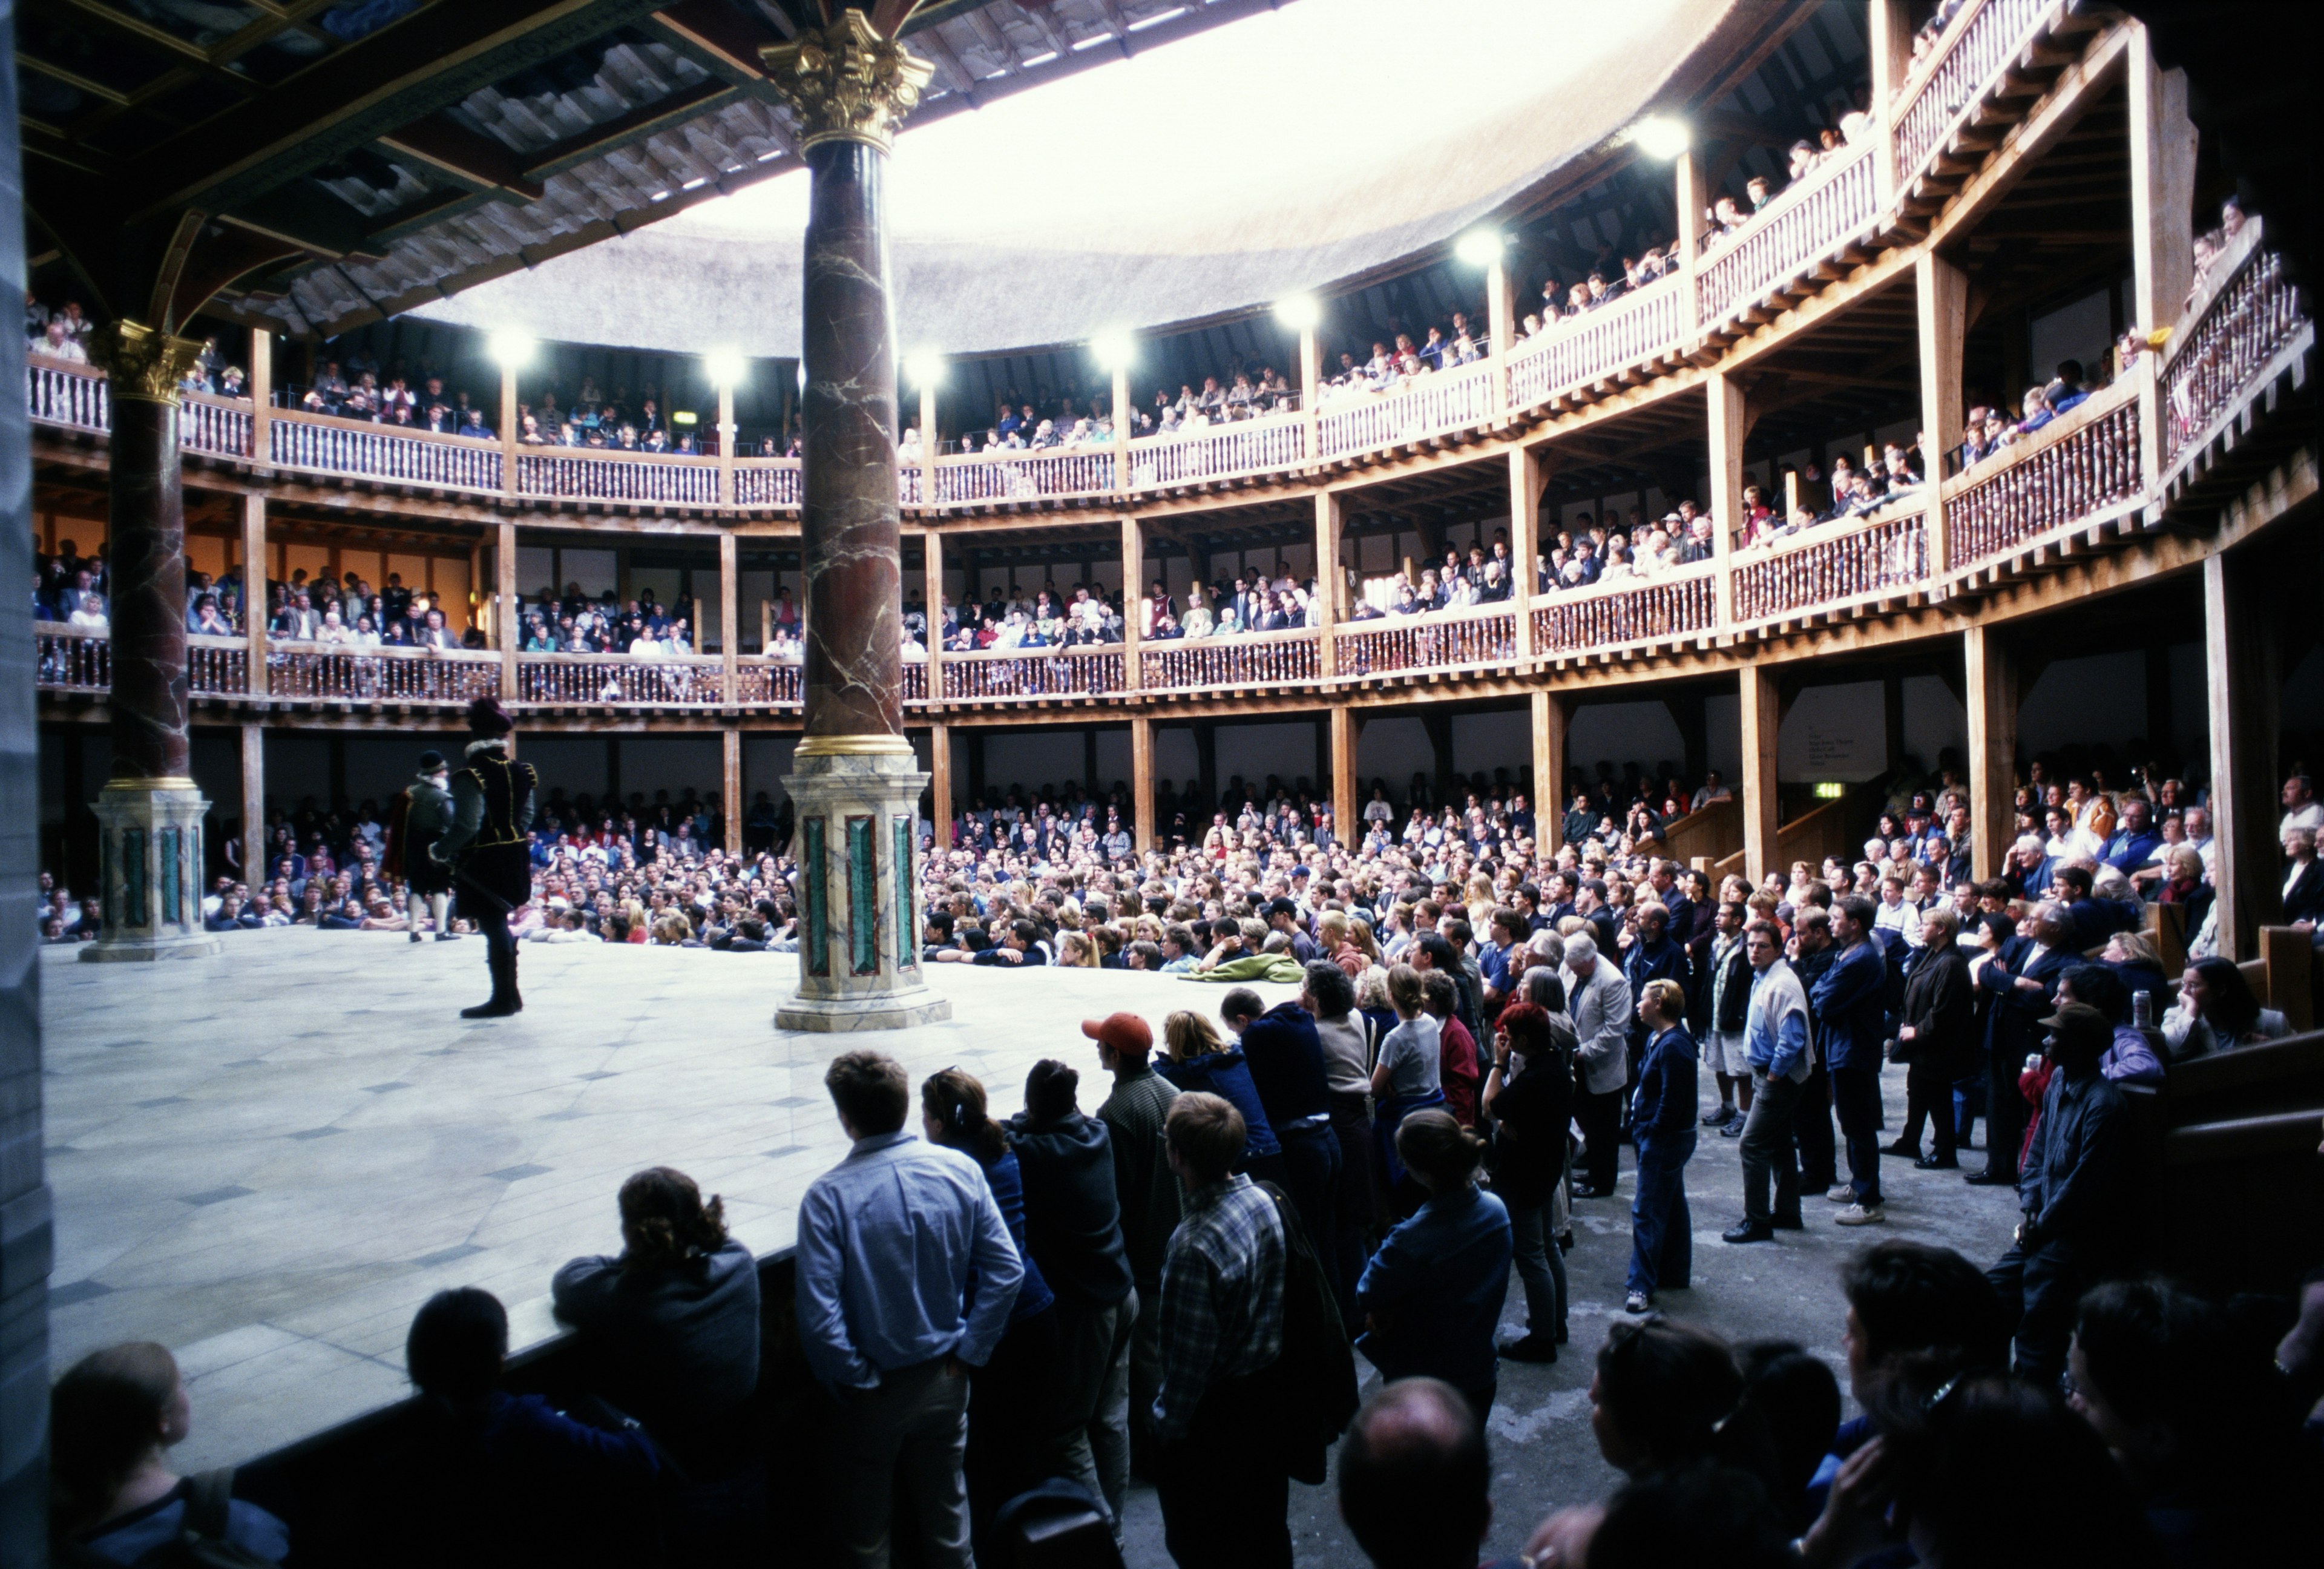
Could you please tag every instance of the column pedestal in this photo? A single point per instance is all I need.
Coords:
(859, 895)
(150, 867)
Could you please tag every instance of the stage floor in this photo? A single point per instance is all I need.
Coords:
(267, 1160)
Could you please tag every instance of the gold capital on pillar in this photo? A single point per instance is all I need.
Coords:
(845, 81)
(141, 363)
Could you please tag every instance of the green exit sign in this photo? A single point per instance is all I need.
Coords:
(1831, 790)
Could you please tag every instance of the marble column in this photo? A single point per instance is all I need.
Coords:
(150, 815)
(854, 783)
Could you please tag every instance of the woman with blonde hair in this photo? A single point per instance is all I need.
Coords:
(1076, 950)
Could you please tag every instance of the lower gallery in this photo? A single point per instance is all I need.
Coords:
(1622, 872)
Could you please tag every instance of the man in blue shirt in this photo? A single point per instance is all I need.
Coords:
(2135, 843)
(1776, 1039)
(1850, 1005)
(906, 1276)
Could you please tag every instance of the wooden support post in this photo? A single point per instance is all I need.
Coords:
(1121, 437)
(255, 608)
(2162, 187)
(728, 434)
(262, 396)
(1500, 314)
(940, 782)
(1528, 473)
(1993, 697)
(1133, 571)
(1331, 577)
(1311, 392)
(2289, 955)
(730, 790)
(1726, 498)
(1890, 46)
(1347, 732)
(1942, 295)
(1762, 723)
(928, 442)
(1552, 717)
(1141, 782)
(2243, 663)
(253, 802)
(1694, 197)
(509, 623)
(1439, 726)
(729, 625)
(931, 569)
(508, 430)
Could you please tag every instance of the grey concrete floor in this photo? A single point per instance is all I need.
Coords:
(1544, 1456)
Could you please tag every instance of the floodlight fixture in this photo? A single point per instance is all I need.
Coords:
(1662, 137)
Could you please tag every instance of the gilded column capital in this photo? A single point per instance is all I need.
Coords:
(139, 363)
(846, 82)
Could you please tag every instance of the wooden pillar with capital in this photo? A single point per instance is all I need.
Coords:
(1991, 689)
(1553, 716)
(1762, 725)
(1528, 473)
(1331, 577)
(1347, 734)
(1142, 780)
(729, 620)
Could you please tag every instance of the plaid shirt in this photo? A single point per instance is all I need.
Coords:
(1222, 1297)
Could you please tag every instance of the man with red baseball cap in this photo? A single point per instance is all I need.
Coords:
(1133, 1116)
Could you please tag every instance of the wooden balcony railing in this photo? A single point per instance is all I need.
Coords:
(323, 444)
(217, 666)
(1030, 675)
(2244, 314)
(670, 479)
(61, 393)
(333, 672)
(1262, 658)
(1837, 203)
(1573, 353)
(1218, 452)
(2076, 471)
(71, 659)
(1476, 639)
(1607, 616)
(916, 678)
(973, 478)
(1965, 66)
(1835, 565)
(215, 426)
(618, 680)
(763, 682)
(1432, 405)
(768, 482)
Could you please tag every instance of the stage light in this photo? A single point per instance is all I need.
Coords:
(1299, 312)
(1480, 248)
(726, 367)
(512, 351)
(1115, 348)
(924, 367)
(1662, 137)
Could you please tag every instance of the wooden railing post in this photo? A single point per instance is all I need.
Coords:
(511, 627)
(730, 626)
(1726, 500)
(254, 607)
(1330, 516)
(1133, 575)
(261, 396)
(1942, 295)
(931, 569)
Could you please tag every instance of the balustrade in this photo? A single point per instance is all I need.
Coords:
(1430, 405)
(1627, 612)
(1015, 476)
(1422, 642)
(335, 672)
(768, 482)
(1237, 447)
(1834, 564)
(1264, 659)
(1030, 674)
(1977, 47)
(2065, 475)
(1577, 350)
(2252, 315)
(569, 475)
(1808, 222)
(916, 679)
(217, 665)
(763, 682)
(621, 680)
(383, 452)
(218, 425)
(74, 658)
(61, 393)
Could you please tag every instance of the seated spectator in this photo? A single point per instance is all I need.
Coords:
(112, 1418)
(671, 1325)
(509, 1477)
(2216, 1011)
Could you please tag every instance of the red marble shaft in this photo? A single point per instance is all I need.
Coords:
(145, 546)
(849, 532)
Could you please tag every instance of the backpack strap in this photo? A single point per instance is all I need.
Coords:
(209, 1496)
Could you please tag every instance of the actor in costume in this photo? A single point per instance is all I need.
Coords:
(422, 811)
(488, 848)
